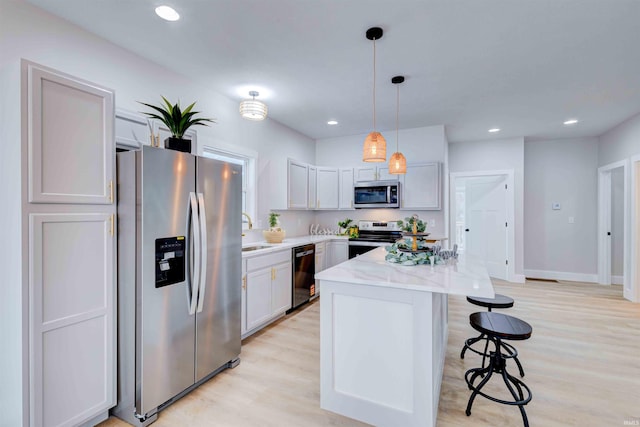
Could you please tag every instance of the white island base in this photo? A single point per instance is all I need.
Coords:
(383, 337)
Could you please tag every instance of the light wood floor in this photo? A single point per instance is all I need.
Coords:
(582, 364)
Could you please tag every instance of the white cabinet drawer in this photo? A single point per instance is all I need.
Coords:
(269, 260)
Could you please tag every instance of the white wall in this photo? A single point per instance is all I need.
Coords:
(496, 155)
(561, 171)
(30, 33)
(620, 142)
(426, 144)
(617, 224)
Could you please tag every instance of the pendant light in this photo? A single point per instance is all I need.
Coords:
(251, 109)
(375, 147)
(397, 162)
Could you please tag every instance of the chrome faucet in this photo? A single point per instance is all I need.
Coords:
(248, 220)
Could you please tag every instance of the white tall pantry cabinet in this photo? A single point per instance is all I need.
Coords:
(69, 232)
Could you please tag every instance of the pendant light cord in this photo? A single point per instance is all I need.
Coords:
(374, 84)
(397, 116)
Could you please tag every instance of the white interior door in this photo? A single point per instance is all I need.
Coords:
(486, 222)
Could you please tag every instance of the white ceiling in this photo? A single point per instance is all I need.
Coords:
(524, 66)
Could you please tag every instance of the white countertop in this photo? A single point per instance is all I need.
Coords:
(467, 276)
(288, 243)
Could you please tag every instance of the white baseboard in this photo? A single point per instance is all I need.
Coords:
(617, 280)
(561, 275)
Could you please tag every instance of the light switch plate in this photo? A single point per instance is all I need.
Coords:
(555, 206)
(571, 220)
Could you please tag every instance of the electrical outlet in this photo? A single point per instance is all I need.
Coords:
(432, 223)
(571, 220)
(259, 224)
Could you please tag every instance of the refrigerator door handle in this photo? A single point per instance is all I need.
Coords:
(195, 282)
(203, 254)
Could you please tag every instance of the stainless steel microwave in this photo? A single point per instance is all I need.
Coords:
(376, 194)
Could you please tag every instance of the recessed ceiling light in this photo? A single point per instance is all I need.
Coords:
(571, 122)
(167, 13)
(493, 130)
(332, 122)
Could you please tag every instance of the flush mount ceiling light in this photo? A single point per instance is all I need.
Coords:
(375, 147)
(332, 122)
(494, 130)
(251, 109)
(397, 161)
(571, 122)
(167, 13)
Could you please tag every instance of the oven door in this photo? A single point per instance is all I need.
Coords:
(358, 248)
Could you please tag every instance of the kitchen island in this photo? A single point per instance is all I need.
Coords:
(383, 336)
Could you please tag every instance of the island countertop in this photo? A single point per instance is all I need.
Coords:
(465, 276)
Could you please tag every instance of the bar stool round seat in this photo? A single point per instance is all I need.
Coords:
(499, 301)
(498, 327)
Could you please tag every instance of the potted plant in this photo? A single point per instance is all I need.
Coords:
(344, 226)
(274, 234)
(177, 121)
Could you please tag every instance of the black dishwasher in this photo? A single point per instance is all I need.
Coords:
(304, 268)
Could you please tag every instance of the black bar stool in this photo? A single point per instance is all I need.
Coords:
(499, 301)
(498, 327)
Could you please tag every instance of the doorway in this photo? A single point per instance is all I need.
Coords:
(613, 226)
(483, 218)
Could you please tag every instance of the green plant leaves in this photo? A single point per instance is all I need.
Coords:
(176, 120)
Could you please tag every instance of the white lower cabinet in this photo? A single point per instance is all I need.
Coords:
(266, 289)
(337, 252)
(320, 256)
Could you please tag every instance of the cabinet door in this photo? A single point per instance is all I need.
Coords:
(346, 189)
(243, 304)
(384, 175)
(365, 174)
(132, 130)
(313, 194)
(320, 257)
(297, 185)
(71, 142)
(281, 288)
(72, 322)
(421, 187)
(327, 187)
(258, 297)
(337, 252)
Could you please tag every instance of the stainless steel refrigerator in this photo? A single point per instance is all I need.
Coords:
(179, 268)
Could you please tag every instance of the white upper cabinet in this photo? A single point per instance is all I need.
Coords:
(327, 187)
(384, 175)
(373, 173)
(313, 193)
(297, 185)
(132, 130)
(368, 173)
(71, 139)
(346, 189)
(421, 187)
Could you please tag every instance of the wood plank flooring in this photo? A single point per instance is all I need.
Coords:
(582, 364)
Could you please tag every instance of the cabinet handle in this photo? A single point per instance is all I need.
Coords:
(111, 221)
(273, 273)
(111, 191)
(244, 282)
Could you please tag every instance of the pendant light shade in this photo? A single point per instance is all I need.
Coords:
(375, 146)
(397, 162)
(251, 109)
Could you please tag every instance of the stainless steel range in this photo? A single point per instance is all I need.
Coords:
(372, 235)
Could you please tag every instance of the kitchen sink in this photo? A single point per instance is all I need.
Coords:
(254, 248)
